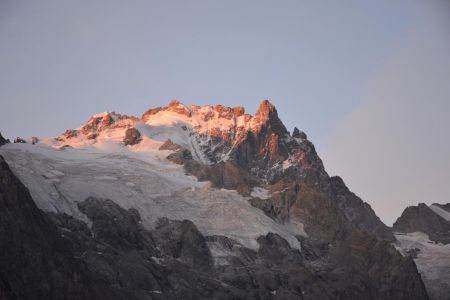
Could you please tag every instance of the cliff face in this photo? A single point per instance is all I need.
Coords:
(35, 262)
(2, 140)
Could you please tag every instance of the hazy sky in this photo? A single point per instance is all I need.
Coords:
(369, 81)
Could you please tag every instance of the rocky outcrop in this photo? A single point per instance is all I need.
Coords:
(358, 212)
(35, 262)
(422, 218)
(222, 175)
(132, 137)
(19, 140)
(264, 145)
(182, 240)
(2, 140)
(99, 123)
(179, 156)
(171, 146)
(299, 134)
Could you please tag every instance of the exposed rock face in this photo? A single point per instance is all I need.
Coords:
(19, 140)
(299, 134)
(359, 212)
(422, 218)
(132, 137)
(169, 145)
(98, 124)
(222, 175)
(180, 155)
(183, 241)
(69, 133)
(2, 140)
(35, 263)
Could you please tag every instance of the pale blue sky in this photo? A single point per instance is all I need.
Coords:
(319, 62)
(61, 60)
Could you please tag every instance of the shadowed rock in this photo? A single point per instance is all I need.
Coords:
(35, 262)
(180, 155)
(182, 240)
(2, 140)
(358, 212)
(421, 218)
(299, 134)
(132, 137)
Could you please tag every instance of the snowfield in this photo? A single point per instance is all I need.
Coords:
(138, 177)
(433, 261)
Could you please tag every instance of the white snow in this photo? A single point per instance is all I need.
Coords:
(433, 260)
(441, 212)
(138, 177)
(261, 193)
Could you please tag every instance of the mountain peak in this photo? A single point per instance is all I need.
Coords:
(178, 107)
(266, 109)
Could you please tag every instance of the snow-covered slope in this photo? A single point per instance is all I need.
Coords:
(137, 177)
(432, 260)
(194, 128)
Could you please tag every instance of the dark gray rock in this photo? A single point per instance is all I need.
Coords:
(222, 175)
(19, 140)
(299, 134)
(358, 212)
(2, 140)
(115, 226)
(35, 262)
(169, 145)
(180, 155)
(132, 137)
(183, 241)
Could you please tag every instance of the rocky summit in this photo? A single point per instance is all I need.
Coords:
(194, 202)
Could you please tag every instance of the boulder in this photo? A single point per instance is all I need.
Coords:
(2, 140)
(132, 137)
(19, 140)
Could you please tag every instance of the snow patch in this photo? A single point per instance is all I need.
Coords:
(441, 212)
(261, 193)
(433, 259)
